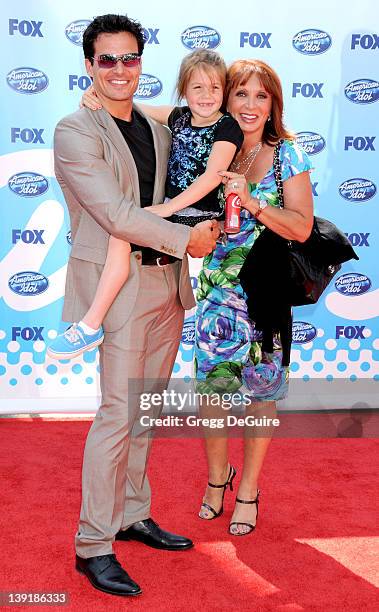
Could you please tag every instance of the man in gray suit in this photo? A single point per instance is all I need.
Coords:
(109, 164)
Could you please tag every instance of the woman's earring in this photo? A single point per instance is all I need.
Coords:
(268, 118)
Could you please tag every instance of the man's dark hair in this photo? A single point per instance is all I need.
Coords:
(111, 24)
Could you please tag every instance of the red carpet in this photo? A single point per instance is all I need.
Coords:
(313, 548)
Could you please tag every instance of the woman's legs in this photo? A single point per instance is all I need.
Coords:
(216, 447)
(113, 276)
(255, 449)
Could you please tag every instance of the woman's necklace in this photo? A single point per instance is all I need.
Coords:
(248, 160)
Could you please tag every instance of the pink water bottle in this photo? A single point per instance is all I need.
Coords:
(232, 223)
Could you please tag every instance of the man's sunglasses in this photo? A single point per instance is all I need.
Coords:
(108, 60)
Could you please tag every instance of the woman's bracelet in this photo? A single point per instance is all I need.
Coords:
(254, 205)
(262, 204)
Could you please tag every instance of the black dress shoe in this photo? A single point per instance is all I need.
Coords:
(150, 533)
(106, 574)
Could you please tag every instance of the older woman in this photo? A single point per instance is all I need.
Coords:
(228, 352)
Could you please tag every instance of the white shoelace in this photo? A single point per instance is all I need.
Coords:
(73, 334)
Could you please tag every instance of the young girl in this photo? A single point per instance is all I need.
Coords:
(204, 141)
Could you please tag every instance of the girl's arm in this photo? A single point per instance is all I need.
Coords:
(158, 113)
(221, 156)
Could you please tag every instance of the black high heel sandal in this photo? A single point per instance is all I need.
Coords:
(228, 483)
(251, 527)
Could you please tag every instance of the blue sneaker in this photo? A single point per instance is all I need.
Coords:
(73, 342)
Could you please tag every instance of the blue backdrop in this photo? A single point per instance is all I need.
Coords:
(327, 58)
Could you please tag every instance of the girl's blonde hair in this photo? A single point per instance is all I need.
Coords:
(207, 60)
(238, 75)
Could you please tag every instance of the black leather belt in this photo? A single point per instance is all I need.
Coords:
(161, 260)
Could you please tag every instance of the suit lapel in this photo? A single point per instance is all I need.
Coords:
(103, 118)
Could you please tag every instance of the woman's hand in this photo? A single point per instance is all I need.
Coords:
(236, 183)
(90, 99)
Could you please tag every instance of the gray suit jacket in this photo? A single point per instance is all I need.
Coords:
(99, 180)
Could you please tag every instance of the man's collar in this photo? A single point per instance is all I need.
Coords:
(104, 117)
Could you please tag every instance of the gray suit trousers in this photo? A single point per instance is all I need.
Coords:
(139, 356)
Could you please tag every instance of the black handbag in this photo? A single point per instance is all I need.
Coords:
(311, 264)
(279, 273)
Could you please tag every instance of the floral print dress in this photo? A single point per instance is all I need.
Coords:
(228, 352)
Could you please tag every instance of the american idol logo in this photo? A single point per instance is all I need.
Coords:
(74, 31)
(311, 42)
(188, 333)
(352, 284)
(311, 142)
(362, 91)
(357, 190)
(28, 283)
(28, 184)
(200, 37)
(149, 86)
(303, 332)
(27, 80)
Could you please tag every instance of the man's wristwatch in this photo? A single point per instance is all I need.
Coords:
(262, 205)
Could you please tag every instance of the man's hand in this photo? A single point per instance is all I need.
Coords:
(203, 238)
